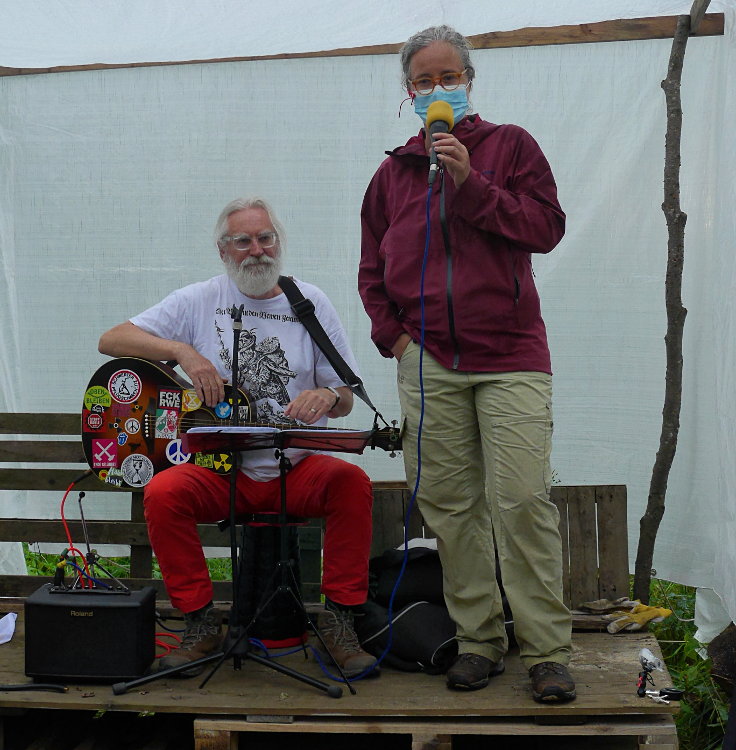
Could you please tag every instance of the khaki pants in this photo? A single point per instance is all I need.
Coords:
(485, 477)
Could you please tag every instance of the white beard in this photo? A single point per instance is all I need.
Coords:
(255, 277)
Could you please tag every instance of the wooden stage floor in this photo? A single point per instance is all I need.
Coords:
(605, 668)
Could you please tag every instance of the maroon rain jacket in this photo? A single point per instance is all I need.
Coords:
(482, 309)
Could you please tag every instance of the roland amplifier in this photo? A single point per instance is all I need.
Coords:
(89, 635)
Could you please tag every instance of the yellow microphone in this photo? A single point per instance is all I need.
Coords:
(439, 120)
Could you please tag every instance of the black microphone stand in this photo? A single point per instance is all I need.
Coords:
(236, 643)
(235, 640)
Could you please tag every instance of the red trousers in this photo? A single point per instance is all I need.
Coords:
(319, 486)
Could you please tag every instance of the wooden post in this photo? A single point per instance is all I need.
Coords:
(214, 739)
(431, 741)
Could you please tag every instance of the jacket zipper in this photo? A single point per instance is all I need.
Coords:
(448, 275)
(517, 285)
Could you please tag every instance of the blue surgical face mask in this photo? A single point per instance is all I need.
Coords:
(457, 99)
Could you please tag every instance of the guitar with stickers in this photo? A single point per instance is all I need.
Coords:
(134, 413)
(136, 410)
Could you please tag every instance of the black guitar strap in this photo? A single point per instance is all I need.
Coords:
(304, 309)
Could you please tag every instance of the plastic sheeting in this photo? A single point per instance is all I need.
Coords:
(47, 33)
(110, 182)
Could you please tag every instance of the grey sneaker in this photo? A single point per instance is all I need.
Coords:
(472, 672)
(202, 637)
(336, 628)
(551, 682)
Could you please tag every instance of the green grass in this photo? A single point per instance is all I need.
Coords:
(44, 564)
(701, 722)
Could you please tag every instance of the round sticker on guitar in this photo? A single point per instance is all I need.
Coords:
(137, 470)
(223, 410)
(124, 386)
(96, 395)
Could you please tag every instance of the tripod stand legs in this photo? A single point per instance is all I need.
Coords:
(333, 691)
(237, 638)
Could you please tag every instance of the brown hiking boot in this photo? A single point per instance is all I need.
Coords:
(202, 637)
(551, 682)
(336, 628)
(472, 672)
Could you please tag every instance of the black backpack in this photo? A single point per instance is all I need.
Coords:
(422, 632)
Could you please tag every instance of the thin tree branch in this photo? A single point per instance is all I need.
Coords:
(676, 313)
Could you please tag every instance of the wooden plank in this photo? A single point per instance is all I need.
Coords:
(616, 30)
(584, 621)
(206, 738)
(659, 725)
(141, 555)
(413, 518)
(429, 740)
(100, 532)
(310, 560)
(391, 484)
(583, 545)
(388, 520)
(391, 501)
(51, 531)
(604, 666)
(558, 495)
(53, 479)
(18, 585)
(32, 423)
(42, 451)
(222, 591)
(613, 545)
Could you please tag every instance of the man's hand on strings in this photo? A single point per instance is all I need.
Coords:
(311, 405)
(208, 383)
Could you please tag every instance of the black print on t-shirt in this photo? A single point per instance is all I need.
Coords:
(263, 369)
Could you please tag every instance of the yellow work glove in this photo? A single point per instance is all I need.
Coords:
(636, 619)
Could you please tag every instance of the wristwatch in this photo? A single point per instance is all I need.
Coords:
(336, 395)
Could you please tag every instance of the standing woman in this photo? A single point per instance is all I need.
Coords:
(473, 362)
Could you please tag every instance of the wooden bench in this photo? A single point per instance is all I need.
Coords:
(592, 519)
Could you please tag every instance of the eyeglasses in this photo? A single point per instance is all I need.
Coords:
(425, 85)
(245, 241)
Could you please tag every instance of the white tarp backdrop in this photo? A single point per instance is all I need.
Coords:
(110, 182)
(46, 33)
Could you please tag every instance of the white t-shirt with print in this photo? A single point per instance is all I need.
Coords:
(277, 358)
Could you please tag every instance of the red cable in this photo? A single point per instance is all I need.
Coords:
(168, 648)
(83, 581)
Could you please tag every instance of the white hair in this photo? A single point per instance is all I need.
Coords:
(424, 38)
(221, 229)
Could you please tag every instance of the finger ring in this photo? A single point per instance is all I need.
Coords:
(314, 410)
